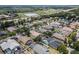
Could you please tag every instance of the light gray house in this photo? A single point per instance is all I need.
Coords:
(39, 49)
(10, 46)
(31, 15)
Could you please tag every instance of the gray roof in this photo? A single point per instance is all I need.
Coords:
(54, 43)
(2, 33)
(31, 14)
(40, 49)
(9, 44)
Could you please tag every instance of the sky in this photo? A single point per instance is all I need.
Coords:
(39, 2)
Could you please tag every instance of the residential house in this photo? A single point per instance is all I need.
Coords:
(42, 30)
(59, 37)
(10, 47)
(4, 16)
(39, 49)
(34, 33)
(31, 14)
(55, 24)
(2, 33)
(74, 25)
(52, 25)
(11, 29)
(66, 31)
(25, 40)
(48, 27)
(52, 42)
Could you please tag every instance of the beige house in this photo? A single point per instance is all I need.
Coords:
(74, 25)
(34, 33)
(66, 31)
(4, 16)
(59, 36)
(11, 29)
(31, 14)
(23, 39)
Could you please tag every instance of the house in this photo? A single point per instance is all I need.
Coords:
(25, 40)
(11, 29)
(4, 16)
(31, 15)
(52, 25)
(39, 49)
(52, 42)
(34, 33)
(42, 30)
(59, 37)
(66, 31)
(10, 46)
(55, 24)
(74, 25)
(2, 33)
(48, 27)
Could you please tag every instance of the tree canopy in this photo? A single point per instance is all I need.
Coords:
(62, 49)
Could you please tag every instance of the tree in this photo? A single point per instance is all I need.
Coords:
(12, 33)
(48, 33)
(62, 49)
(37, 39)
(73, 35)
(76, 45)
(69, 40)
(56, 30)
(24, 30)
(27, 31)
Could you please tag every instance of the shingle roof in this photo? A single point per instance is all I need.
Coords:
(9, 44)
(34, 33)
(40, 49)
(24, 39)
(59, 36)
(31, 14)
(53, 42)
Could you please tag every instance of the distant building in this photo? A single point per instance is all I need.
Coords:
(11, 29)
(2, 33)
(4, 16)
(55, 24)
(34, 33)
(48, 27)
(52, 25)
(31, 14)
(42, 30)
